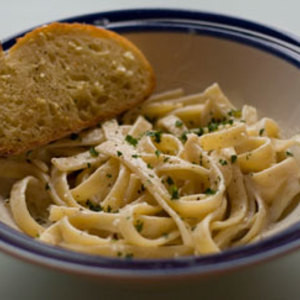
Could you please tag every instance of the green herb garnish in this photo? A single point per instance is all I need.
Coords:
(199, 131)
(131, 140)
(157, 153)
(170, 180)
(139, 225)
(29, 152)
(233, 159)
(288, 153)
(223, 162)
(212, 126)
(209, 191)
(119, 153)
(178, 123)
(183, 137)
(201, 160)
(235, 113)
(93, 152)
(174, 192)
(261, 131)
(129, 255)
(155, 134)
(92, 206)
(149, 166)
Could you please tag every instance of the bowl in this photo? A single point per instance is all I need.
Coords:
(253, 63)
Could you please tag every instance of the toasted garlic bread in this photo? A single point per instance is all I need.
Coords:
(62, 78)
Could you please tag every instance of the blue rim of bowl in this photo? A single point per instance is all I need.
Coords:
(281, 44)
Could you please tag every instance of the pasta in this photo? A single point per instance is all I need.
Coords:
(178, 175)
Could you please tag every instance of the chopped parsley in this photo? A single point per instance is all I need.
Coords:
(261, 131)
(92, 206)
(134, 156)
(178, 123)
(199, 131)
(142, 189)
(93, 152)
(174, 192)
(288, 153)
(223, 162)
(157, 153)
(235, 113)
(209, 191)
(170, 180)
(129, 255)
(139, 225)
(201, 160)
(89, 165)
(119, 153)
(108, 175)
(183, 137)
(230, 122)
(233, 159)
(149, 166)
(166, 159)
(131, 140)
(108, 209)
(28, 152)
(155, 134)
(212, 126)
(74, 136)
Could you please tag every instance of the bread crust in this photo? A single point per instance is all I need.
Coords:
(62, 28)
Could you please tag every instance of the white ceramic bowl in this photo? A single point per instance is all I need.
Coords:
(253, 64)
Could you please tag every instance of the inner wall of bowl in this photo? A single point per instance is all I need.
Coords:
(246, 74)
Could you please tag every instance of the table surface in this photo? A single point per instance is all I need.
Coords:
(278, 279)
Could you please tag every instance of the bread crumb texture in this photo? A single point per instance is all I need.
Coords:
(62, 78)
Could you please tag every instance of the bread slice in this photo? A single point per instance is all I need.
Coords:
(62, 78)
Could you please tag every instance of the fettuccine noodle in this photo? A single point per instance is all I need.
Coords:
(178, 175)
